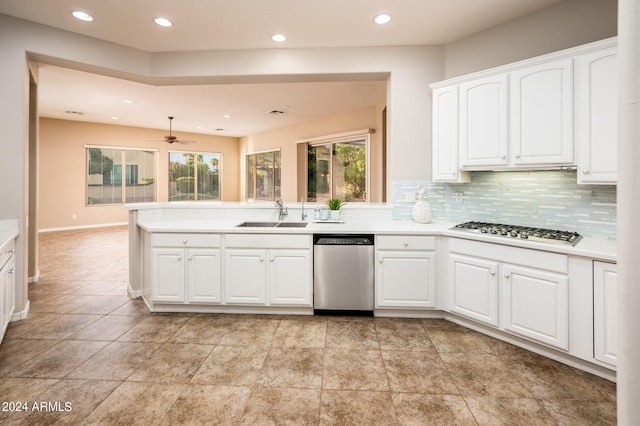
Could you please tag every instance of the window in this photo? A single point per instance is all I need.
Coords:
(191, 170)
(263, 176)
(120, 175)
(338, 169)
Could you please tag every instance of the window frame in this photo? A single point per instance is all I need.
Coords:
(123, 180)
(275, 184)
(346, 137)
(195, 174)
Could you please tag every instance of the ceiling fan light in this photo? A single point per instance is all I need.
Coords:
(382, 19)
(83, 16)
(163, 22)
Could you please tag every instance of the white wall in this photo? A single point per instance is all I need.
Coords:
(567, 24)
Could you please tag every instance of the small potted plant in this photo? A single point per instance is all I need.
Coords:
(334, 205)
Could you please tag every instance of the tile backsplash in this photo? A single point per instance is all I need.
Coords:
(547, 199)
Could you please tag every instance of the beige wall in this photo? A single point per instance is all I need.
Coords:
(567, 24)
(285, 138)
(63, 166)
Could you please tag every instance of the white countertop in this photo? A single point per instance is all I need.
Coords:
(597, 248)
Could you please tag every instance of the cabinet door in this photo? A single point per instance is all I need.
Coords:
(445, 136)
(605, 312)
(290, 277)
(203, 275)
(405, 279)
(483, 122)
(541, 116)
(596, 116)
(474, 288)
(245, 276)
(10, 289)
(168, 275)
(536, 305)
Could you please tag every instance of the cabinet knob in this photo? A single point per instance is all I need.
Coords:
(179, 257)
(11, 271)
(271, 259)
(190, 257)
(184, 241)
(585, 172)
(380, 260)
(492, 272)
(503, 157)
(262, 259)
(507, 275)
(405, 243)
(12, 251)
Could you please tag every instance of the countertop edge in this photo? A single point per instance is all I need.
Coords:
(595, 248)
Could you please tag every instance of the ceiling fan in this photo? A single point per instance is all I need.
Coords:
(171, 138)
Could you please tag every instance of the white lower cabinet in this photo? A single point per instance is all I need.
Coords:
(605, 312)
(405, 272)
(7, 286)
(245, 276)
(520, 291)
(474, 288)
(185, 268)
(278, 273)
(536, 305)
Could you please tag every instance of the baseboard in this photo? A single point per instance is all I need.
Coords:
(35, 278)
(134, 294)
(72, 228)
(20, 315)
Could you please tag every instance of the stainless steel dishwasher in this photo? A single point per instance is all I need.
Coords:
(343, 271)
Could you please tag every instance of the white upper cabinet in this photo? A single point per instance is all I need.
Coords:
(548, 112)
(541, 113)
(445, 136)
(596, 116)
(483, 123)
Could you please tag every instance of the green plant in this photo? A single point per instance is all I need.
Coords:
(334, 203)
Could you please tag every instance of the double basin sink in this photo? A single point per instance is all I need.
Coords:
(272, 225)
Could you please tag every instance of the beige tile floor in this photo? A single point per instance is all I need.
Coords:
(87, 344)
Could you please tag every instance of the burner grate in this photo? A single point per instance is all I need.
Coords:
(521, 232)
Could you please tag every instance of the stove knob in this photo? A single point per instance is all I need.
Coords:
(524, 236)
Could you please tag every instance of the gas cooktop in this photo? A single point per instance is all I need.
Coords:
(520, 232)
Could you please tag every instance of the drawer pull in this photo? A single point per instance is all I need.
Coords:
(507, 275)
(492, 272)
(184, 241)
(262, 259)
(179, 258)
(380, 260)
(406, 243)
(11, 271)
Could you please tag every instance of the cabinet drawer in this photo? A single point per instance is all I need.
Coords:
(8, 250)
(405, 242)
(554, 262)
(267, 241)
(185, 240)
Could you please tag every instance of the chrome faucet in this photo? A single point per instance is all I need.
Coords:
(304, 215)
(283, 210)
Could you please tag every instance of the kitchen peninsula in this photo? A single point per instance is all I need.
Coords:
(194, 257)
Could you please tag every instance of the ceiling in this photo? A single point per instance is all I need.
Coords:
(245, 24)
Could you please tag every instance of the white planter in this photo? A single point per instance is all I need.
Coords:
(334, 214)
(421, 212)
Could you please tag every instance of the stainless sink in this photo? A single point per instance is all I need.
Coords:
(272, 224)
(292, 224)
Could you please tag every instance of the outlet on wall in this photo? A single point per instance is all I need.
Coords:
(74, 216)
(458, 196)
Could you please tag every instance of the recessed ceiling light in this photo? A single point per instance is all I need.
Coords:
(163, 22)
(127, 101)
(278, 38)
(226, 116)
(115, 118)
(83, 16)
(382, 18)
